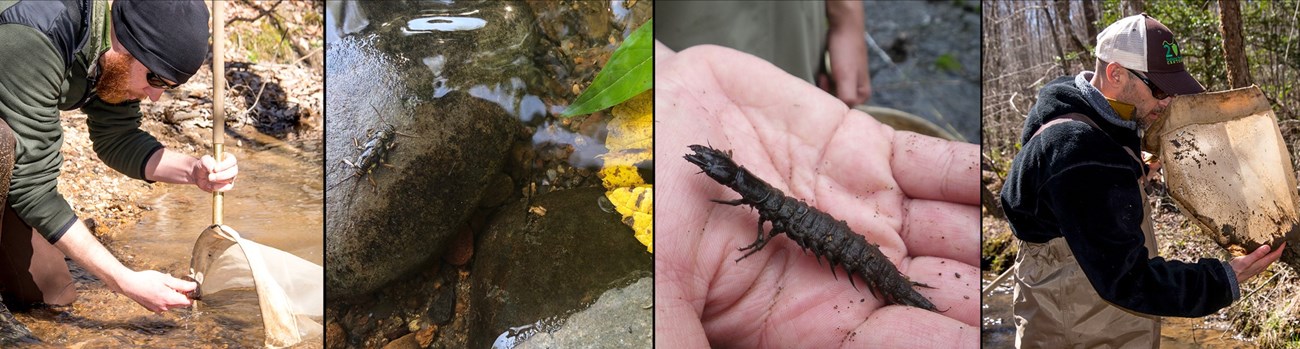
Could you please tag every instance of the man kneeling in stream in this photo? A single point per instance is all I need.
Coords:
(78, 54)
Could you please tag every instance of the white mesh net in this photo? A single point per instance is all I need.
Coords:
(290, 290)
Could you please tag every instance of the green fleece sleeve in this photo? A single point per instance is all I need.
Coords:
(117, 137)
(30, 85)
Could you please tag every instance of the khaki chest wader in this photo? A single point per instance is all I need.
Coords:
(1056, 307)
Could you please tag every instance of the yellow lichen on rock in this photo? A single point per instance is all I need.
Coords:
(631, 142)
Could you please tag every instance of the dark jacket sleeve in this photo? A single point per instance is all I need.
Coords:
(1100, 213)
(31, 82)
(117, 138)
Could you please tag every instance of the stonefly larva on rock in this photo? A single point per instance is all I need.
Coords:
(811, 228)
(374, 152)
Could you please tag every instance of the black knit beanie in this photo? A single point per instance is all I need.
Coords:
(168, 37)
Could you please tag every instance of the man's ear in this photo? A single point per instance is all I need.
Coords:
(114, 44)
(1115, 73)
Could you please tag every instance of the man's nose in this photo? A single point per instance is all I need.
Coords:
(154, 93)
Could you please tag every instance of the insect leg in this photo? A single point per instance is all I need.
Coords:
(735, 202)
(758, 244)
(758, 240)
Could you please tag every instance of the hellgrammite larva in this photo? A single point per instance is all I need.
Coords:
(811, 228)
(375, 150)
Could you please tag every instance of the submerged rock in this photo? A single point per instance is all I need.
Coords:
(531, 267)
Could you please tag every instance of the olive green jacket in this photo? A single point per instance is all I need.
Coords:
(35, 84)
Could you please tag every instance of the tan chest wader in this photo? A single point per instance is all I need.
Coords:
(1056, 307)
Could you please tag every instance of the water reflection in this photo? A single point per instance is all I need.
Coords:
(442, 24)
(344, 18)
(485, 49)
(619, 9)
(586, 149)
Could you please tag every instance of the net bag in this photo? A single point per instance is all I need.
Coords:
(289, 289)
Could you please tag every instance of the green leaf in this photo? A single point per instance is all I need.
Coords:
(628, 73)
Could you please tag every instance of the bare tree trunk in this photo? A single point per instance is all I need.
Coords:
(1234, 53)
(1056, 39)
(1090, 19)
(1064, 20)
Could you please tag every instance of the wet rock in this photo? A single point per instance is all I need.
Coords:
(443, 305)
(462, 249)
(426, 336)
(408, 341)
(498, 191)
(621, 318)
(531, 267)
(385, 222)
(454, 95)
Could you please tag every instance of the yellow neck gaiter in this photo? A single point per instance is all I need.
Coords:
(1124, 110)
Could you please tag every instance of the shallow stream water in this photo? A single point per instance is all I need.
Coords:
(276, 202)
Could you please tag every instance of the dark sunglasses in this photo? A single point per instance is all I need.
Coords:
(158, 82)
(1155, 91)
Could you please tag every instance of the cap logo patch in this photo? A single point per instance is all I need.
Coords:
(1172, 53)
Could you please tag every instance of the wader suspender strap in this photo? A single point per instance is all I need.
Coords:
(1084, 119)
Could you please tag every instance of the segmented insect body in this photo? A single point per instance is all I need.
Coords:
(375, 150)
(811, 228)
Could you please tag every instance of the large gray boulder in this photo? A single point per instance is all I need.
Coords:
(400, 214)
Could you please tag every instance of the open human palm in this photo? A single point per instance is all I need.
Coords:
(914, 196)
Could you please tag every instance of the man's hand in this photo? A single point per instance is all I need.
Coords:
(1252, 264)
(850, 78)
(155, 291)
(1153, 167)
(173, 167)
(212, 176)
(913, 195)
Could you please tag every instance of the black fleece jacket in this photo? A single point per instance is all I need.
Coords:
(1078, 182)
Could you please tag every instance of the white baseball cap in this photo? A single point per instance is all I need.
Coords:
(1142, 43)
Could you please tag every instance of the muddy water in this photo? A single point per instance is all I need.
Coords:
(276, 201)
(998, 328)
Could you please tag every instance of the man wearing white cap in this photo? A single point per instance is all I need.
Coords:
(1087, 271)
